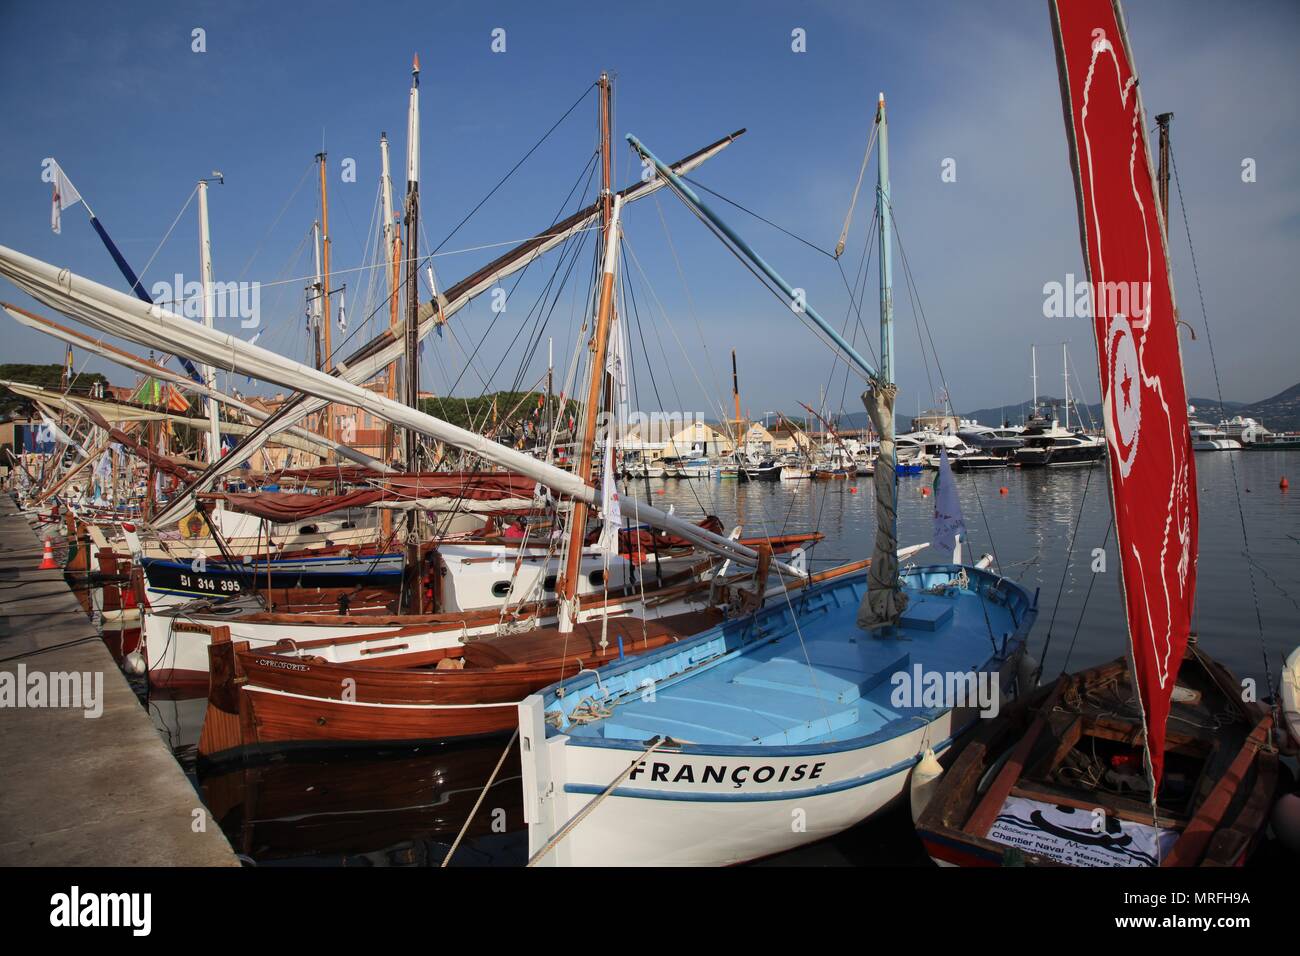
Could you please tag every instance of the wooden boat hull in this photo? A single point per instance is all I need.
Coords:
(1235, 777)
(391, 689)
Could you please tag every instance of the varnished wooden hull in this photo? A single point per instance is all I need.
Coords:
(267, 699)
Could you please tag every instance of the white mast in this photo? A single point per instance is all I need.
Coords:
(1065, 358)
(316, 290)
(1033, 352)
(205, 279)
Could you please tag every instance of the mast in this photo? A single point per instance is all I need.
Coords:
(568, 586)
(1162, 120)
(326, 311)
(884, 601)
(414, 591)
(1065, 364)
(1033, 374)
(735, 396)
(886, 251)
(205, 279)
(391, 241)
(545, 417)
(316, 292)
(412, 368)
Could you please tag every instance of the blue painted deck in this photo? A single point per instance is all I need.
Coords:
(764, 681)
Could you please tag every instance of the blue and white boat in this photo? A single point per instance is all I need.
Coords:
(793, 723)
(768, 731)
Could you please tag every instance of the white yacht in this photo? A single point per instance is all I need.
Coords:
(1207, 437)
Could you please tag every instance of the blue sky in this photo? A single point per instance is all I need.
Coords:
(115, 92)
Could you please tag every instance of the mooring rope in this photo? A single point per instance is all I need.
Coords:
(446, 861)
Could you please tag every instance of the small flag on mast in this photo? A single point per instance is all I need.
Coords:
(611, 510)
(948, 520)
(65, 195)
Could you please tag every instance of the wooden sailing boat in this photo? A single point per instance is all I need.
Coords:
(1154, 760)
(698, 753)
(328, 690)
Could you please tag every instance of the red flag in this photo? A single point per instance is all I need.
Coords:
(1144, 399)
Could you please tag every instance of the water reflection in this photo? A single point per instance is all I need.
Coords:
(399, 807)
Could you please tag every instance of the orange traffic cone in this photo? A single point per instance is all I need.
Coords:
(47, 559)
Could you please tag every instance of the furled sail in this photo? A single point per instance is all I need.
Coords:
(389, 346)
(120, 412)
(114, 313)
(885, 600)
(162, 373)
(1144, 400)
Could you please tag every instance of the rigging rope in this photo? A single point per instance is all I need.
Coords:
(1236, 485)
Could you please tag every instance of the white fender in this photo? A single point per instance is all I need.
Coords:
(925, 780)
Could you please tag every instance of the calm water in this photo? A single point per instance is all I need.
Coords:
(403, 808)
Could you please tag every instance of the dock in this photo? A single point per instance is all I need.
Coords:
(78, 790)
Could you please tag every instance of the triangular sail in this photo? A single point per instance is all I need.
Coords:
(1144, 399)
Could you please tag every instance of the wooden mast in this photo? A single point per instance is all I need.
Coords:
(568, 585)
(392, 242)
(326, 311)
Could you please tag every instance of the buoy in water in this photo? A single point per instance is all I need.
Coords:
(925, 779)
(853, 491)
(1284, 484)
(925, 492)
(1002, 490)
(133, 663)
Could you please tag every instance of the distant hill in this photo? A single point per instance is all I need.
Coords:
(1279, 413)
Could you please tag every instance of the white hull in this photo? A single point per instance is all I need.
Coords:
(649, 823)
(177, 653)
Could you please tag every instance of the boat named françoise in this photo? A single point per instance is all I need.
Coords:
(705, 751)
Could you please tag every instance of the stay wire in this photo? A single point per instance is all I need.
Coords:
(1214, 365)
